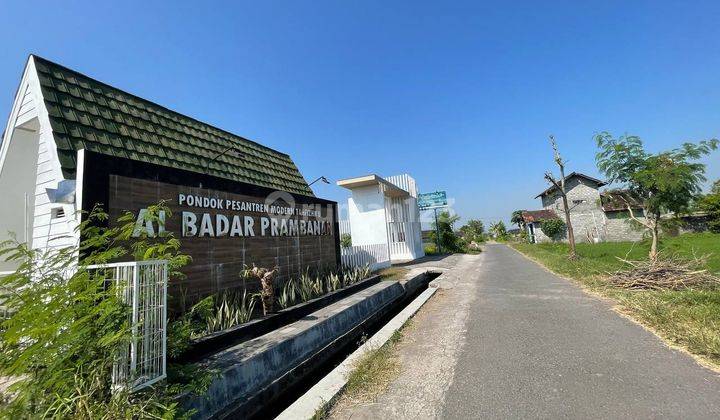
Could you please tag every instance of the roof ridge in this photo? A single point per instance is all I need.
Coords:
(52, 63)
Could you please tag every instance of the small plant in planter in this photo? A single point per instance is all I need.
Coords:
(267, 293)
(345, 240)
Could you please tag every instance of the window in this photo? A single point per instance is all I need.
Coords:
(579, 201)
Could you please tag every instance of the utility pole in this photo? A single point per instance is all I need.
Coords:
(437, 232)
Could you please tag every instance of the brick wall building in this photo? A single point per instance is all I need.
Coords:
(596, 216)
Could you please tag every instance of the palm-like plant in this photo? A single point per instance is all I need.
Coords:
(498, 229)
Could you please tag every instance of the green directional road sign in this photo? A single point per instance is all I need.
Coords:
(432, 200)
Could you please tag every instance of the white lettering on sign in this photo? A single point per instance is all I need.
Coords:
(239, 226)
(207, 202)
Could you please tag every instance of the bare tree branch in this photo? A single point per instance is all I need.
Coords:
(551, 179)
(632, 214)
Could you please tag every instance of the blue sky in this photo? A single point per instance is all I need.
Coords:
(461, 95)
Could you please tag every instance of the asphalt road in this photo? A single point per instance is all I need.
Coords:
(536, 346)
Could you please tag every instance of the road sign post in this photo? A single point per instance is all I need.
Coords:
(437, 233)
(433, 200)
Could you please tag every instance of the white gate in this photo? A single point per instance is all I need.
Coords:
(376, 256)
(143, 286)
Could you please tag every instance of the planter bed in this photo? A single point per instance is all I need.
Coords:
(212, 343)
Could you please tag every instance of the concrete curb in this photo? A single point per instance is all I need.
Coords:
(329, 386)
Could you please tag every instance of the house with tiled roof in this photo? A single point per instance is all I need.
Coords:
(596, 215)
(58, 114)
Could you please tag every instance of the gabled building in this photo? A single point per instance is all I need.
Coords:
(72, 141)
(384, 211)
(596, 215)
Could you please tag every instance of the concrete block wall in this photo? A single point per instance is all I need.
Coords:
(588, 218)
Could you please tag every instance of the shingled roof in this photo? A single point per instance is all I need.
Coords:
(88, 114)
(596, 181)
(530, 216)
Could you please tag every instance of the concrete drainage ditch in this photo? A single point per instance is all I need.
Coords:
(259, 378)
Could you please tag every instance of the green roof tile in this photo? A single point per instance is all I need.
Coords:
(87, 113)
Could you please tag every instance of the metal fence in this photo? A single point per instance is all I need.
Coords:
(375, 255)
(143, 286)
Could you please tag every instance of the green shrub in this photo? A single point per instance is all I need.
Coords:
(448, 239)
(67, 325)
(553, 228)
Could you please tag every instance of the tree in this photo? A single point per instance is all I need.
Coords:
(560, 186)
(498, 229)
(448, 239)
(664, 182)
(517, 218)
(473, 231)
(711, 204)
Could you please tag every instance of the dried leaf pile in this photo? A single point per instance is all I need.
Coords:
(667, 273)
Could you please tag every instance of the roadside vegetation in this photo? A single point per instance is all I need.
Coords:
(66, 326)
(392, 273)
(465, 240)
(689, 317)
(63, 324)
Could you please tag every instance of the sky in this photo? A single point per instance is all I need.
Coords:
(460, 95)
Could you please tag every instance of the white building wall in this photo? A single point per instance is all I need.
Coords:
(375, 218)
(28, 139)
(368, 221)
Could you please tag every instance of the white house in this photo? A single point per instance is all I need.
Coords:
(384, 211)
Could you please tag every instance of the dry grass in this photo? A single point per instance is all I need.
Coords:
(373, 372)
(393, 273)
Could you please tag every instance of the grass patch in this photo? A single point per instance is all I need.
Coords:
(371, 375)
(392, 273)
(374, 371)
(687, 318)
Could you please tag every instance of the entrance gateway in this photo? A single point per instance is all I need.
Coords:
(73, 142)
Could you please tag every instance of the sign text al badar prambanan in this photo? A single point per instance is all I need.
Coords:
(278, 220)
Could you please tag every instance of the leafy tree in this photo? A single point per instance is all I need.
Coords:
(664, 182)
(711, 204)
(473, 231)
(553, 228)
(67, 325)
(517, 218)
(448, 240)
(498, 229)
(560, 186)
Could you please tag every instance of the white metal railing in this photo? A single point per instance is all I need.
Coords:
(375, 255)
(344, 227)
(143, 286)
